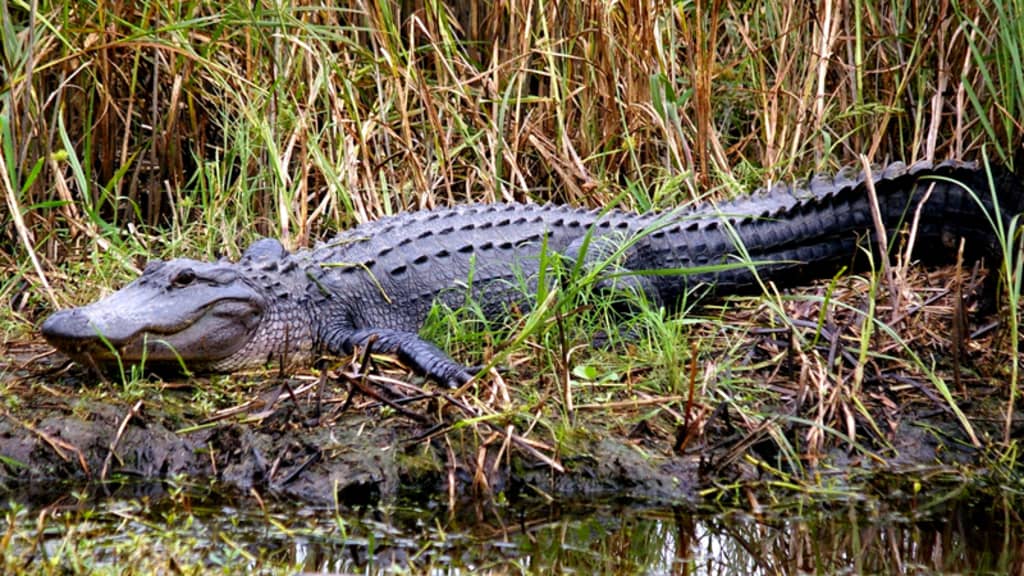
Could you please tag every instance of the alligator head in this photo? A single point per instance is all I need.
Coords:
(180, 313)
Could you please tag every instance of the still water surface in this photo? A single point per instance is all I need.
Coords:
(224, 534)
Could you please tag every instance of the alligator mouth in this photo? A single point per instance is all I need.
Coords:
(97, 338)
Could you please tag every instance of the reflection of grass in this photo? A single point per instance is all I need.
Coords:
(193, 529)
(131, 131)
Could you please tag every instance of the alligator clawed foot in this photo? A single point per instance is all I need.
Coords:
(461, 376)
(467, 373)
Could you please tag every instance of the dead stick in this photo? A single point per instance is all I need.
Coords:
(881, 235)
(134, 411)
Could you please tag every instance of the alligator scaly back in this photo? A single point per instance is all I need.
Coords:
(374, 285)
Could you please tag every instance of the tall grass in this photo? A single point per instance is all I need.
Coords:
(310, 118)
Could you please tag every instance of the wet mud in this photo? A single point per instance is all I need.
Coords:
(291, 448)
(356, 460)
(361, 453)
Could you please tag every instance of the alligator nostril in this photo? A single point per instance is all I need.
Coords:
(64, 323)
(61, 325)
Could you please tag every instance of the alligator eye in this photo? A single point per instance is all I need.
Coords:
(183, 278)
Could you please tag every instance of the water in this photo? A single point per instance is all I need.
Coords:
(186, 530)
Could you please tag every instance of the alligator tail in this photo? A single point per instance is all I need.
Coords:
(794, 233)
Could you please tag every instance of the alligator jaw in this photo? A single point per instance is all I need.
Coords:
(217, 331)
(158, 322)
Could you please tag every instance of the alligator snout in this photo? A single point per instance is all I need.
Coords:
(69, 329)
(63, 326)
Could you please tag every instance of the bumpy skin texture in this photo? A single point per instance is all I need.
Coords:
(375, 284)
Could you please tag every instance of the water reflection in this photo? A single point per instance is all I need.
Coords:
(214, 531)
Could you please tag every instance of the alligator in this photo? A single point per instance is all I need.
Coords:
(373, 286)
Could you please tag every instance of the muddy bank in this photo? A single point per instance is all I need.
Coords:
(368, 440)
(361, 458)
(354, 457)
(95, 441)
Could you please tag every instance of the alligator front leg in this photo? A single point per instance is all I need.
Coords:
(424, 357)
